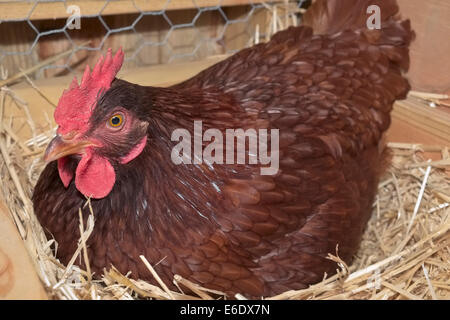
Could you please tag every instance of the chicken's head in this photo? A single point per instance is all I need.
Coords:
(97, 129)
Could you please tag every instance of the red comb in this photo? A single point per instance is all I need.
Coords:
(77, 103)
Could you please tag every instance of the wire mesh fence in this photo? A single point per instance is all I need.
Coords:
(149, 31)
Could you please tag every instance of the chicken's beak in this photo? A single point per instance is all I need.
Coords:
(63, 146)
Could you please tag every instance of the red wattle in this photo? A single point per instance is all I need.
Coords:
(95, 176)
(65, 173)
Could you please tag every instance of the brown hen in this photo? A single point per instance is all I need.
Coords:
(328, 87)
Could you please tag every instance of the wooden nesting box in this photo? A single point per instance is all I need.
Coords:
(413, 120)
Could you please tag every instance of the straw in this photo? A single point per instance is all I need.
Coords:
(406, 258)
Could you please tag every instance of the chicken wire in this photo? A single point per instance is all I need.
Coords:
(78, 26)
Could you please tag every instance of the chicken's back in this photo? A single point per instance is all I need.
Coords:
(329, 87)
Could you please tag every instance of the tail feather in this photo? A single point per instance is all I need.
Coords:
(333, 16)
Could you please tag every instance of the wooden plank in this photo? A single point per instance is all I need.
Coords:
(57, 10)
(430, 59)
(434, 121)
(18, 278)
(405, 132)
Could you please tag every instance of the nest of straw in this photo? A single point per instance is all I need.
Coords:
(404, 253)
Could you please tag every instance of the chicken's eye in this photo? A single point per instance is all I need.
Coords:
(115, 121)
